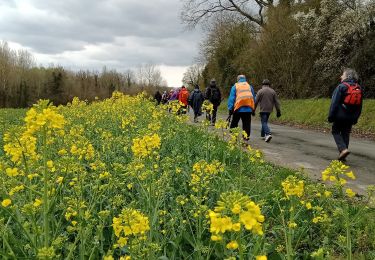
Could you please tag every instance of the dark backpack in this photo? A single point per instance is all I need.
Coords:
(215, 95)
(353, 96)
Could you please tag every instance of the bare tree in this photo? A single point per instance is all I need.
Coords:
(149, 75)
(129, 78)
(194, 11)
(193, 75)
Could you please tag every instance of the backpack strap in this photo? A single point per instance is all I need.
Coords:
(349, 85)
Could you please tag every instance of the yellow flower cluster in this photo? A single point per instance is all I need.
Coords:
(24, 146)
(234, 138)
(16, 189)
(48, 117)
(129, 223)
(203, 172)
(233, 212)
(221, 124)
(12, 172)
(255, 155)
(80, 145)
(145, 146)
(293, 187)
(336, 172)
(207, 107)
(129, 121)
(83, 150)
(174, 106)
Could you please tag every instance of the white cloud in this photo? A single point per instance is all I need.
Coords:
(173, 75)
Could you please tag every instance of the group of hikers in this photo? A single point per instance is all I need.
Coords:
(345, 109)
(194, 99)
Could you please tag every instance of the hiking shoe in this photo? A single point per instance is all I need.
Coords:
(268, 138)
(343, 154)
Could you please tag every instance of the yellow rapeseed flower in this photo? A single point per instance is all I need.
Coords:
(12, 172)
(5, 203)
(292, 224)
(350, 175)
(236, 209)
(350, 193)
(327, 193)
(233, 245)
(143, 147)
(50, 164)
(293, 187)
(37, 203)
(129, 223)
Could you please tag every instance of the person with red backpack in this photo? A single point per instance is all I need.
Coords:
(183, 97)
(346, 107)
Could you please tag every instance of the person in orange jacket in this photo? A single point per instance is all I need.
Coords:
(183, 97)
(241, 104)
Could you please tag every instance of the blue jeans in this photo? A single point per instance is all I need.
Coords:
(264, 120)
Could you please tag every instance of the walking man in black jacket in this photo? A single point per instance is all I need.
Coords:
(213, 94)
(346, 107)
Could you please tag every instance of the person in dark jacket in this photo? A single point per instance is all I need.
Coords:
(266, 99)
(195, 101)
(164, 98)
(346, 107)
(213, 94)
(157, 97)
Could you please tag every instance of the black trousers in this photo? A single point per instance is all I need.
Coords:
(214, 113)
(212, 118)
(341, 134)
(246, 121)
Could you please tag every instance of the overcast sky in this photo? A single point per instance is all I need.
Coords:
(88, 34)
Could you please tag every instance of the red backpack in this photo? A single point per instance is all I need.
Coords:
(184, 96)
(353, 96)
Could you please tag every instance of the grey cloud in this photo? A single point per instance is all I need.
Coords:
(71, 25)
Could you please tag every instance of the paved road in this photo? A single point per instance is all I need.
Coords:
(313, 151)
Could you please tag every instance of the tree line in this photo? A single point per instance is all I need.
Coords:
(301, 46)
(22, 83)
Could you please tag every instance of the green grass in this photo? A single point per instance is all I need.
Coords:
(314, 113)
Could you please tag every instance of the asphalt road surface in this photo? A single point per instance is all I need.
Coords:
(313, 151)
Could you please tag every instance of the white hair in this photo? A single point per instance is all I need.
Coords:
(350, 74)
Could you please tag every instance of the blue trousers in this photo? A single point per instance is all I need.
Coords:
(264, 116)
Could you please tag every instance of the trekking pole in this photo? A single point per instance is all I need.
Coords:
(229, 119)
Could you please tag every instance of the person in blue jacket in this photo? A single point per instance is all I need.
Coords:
(346, 107)
(241, 104)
